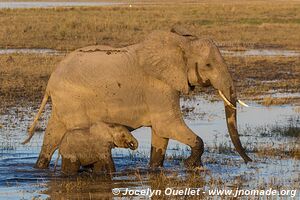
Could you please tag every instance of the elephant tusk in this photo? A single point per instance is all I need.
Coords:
(226, 100)
(243, 104)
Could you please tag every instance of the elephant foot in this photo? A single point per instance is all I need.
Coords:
(155, 165)
(69, 173)
(192, 163)
(157, 158)
(69, 167)
(42, 162)
(104, 167)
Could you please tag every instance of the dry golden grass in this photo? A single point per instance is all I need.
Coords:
(231, 24)
(268, 101)
(282, 151)
(23, 78)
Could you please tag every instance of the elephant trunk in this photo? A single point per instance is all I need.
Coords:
(133, 144)
(231, 119)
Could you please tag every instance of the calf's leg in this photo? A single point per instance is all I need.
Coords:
(69, 167)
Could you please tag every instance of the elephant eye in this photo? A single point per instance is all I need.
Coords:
(208, 65)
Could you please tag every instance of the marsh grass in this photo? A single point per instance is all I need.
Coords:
(255, 76)
(23, 78)
(268, 101)
(230, 23)
(282, 139)
(290, 130)
(282, 151)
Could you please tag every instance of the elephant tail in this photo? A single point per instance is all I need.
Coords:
(31, 129)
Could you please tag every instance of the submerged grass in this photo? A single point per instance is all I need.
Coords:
(290, 130)
(279, 140)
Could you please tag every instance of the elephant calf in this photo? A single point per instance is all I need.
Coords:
(92, 147)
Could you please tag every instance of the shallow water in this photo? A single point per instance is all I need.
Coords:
(31, 51)
(19, 179)
(13, 5)
(261, 52)
(250, 52)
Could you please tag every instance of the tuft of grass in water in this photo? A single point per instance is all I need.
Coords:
(287, 136)
(223, 148)
(283, 151)
(290, 130)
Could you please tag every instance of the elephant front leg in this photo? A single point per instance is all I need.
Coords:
(158, 150)
(104, 165)
(180, 132)
(53, 134)
(69, 167)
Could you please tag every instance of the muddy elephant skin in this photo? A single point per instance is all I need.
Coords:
(100, 83)
(92, 147)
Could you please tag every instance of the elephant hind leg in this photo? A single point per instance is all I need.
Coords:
(70, 168)
(54, 132)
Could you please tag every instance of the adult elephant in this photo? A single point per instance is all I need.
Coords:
(137, 86)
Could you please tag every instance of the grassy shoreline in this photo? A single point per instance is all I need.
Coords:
(231, 24)
(247, 24)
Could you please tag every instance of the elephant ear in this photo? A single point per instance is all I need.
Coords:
(162, 56)
(179, 29)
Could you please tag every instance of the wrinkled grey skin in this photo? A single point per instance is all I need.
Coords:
(92, 147)
(99, 83)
